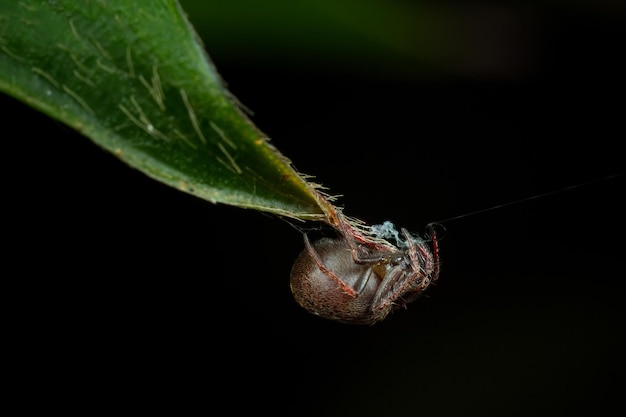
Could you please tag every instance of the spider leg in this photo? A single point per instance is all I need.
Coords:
(347, 230)
(420, 256)
(406, 283)
(393, 286)
(353, 236)
(320, 264)
(435, 245)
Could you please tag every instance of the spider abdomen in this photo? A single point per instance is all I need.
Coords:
(322, 295)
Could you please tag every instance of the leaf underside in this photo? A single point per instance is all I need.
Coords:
(134, 78)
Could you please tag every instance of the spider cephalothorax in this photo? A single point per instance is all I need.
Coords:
(355, 280)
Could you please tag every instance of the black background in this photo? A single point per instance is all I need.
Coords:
(138, 292)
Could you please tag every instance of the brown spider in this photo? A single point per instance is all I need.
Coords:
(357, 280)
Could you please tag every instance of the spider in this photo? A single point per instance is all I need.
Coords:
(356, 280)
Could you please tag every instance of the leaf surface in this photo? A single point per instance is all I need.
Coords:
(133, 77)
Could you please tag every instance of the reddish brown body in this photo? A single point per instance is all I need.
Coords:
(354, 283)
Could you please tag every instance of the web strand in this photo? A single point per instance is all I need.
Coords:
(534, 197)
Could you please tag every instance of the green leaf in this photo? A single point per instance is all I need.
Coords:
(133, 77)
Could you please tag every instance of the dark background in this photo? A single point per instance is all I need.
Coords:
(135, 291)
